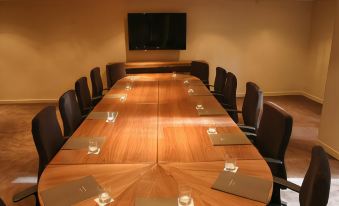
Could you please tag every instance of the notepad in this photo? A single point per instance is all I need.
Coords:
(156, 202)
(221, 139)
(75, 143)
(101, 116)
(72, 192)
(242, 185)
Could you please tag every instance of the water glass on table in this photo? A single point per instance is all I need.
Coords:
(105, 196)
(199, 106)
(230, 164)
(128, 87)
(92, 146)
(110, 117)
(185, 195)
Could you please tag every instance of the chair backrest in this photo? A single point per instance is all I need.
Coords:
(230, 92)
(220, 79)
(97, 86)
(252, 105)
(200, 70)
(47, 136)
(273, 135)
(114, 72)
(316, 185)
(70, 112)
(83, 95)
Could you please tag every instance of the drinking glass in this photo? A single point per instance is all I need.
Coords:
(92, 146)
(104, 196)
(128, 87)
(230, 164)
(174, 74)
(212, 128)
(123, 98)
(185, 195)
(199, 106)
(110, 116)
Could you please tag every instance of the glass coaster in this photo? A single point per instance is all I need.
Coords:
(191, 204)
(234, 171)
(94, 153)
(102, 204)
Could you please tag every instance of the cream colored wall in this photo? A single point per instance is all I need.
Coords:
(328, 133)
(323, 16)
(46, 45)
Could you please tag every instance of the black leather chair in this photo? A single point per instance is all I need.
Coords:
(97, 86)
(315, 188)
(114, 72)
(200, 70)
(48, 141)
(84, 97)
(2, 202)
(70, 112)
(273, 135)
(219, 81)
(251, 108)
(228, 98)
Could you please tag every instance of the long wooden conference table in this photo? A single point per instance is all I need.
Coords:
(157, 142)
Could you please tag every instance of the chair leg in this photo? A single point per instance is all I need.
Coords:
(276, 200)
(37, 203)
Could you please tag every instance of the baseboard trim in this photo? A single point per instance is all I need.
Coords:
(268, 94)
(312, 97)
(331, 151)
(305, 94)
(29, 101)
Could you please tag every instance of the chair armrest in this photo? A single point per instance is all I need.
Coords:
(226, 106)
(251, 136)
(233, 110)
(245, 128)
(96, 98)
(218, 94)
(285, 183)
(26, 193)
(87, 110)
(83, 117)
(274, 161)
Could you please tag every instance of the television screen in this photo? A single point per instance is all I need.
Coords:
(157, 31)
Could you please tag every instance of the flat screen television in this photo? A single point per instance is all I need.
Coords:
(157, 31)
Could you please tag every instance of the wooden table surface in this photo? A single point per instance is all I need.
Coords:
(157, 142)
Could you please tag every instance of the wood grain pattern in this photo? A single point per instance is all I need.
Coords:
(157, 143)
(128, 181)
(131, 139)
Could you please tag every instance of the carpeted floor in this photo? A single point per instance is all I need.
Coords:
(18, 157)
